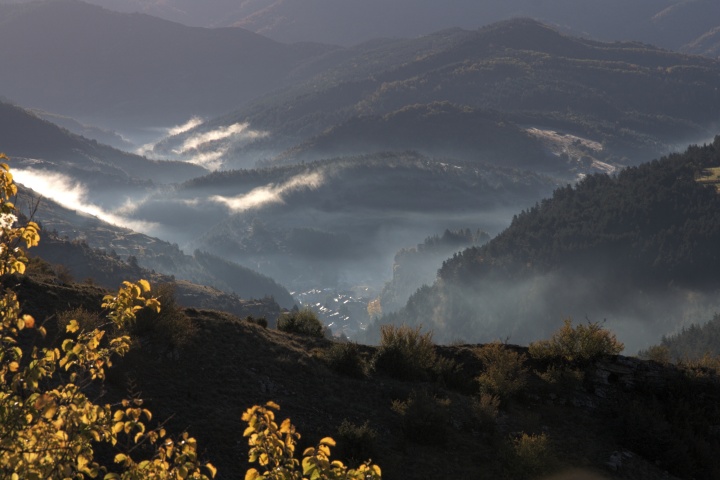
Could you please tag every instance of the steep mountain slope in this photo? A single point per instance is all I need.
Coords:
(106, 137)
(61, 262)
(131, 70)
(627, 99)
(638, 249)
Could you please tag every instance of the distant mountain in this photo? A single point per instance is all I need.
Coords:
(668, 23)
(133, 70)
(439, 129)
(623, 102)
(637, 249)
(105, 137)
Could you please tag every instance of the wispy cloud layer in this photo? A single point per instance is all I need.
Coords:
(205, 148)
(190, 124)
(74, 195)
(270, 194)
(201, 139)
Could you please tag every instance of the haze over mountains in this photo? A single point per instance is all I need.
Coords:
(81, 60)
(683, 25)
(328, 159)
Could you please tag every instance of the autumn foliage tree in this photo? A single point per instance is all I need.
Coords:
(50, 428)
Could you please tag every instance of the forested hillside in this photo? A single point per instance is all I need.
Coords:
(638, 249)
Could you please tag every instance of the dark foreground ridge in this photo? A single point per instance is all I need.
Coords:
(461, 411)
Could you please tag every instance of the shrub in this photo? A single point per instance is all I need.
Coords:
(356, 442)
(262, 321)
(63, 274)
(529, 456)
(345, 358)
(301, 322)
(168, 329)
(504, 373)
(86, 319)
(425, 418)
(405, 353)
(656, 353)
(450, 373)
(582, 343)
(485, 409)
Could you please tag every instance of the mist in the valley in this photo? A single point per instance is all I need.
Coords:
(194, 142)
(74, 195)
(533, 307)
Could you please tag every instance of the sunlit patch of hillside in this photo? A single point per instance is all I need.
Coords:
(711, 177)
(582, 151)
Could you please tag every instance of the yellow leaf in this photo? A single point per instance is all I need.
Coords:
(50, 412)
(252, 474)
(272, 404)
(72, 327)
(144, 284)
(14, 366)
(327, 441)
(211, 467)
